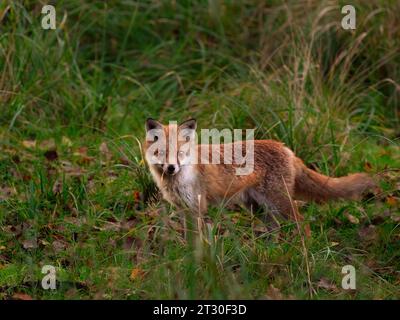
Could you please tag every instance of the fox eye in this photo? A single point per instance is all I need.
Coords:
(155, 138)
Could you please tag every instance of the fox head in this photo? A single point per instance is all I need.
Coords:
(169, 147)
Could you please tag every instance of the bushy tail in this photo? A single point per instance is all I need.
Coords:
(310, 185)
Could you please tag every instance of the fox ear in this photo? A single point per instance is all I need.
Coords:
(188, 124)
(187, 130)
(152, 124)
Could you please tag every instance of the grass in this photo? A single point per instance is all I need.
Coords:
(75, 193)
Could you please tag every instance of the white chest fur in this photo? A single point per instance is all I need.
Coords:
(186, 186)
(181, 189)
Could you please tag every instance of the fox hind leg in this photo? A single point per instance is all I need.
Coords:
(276, 204)
(255, 201)
(287, 207)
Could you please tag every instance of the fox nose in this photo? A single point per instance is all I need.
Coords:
(171, 169)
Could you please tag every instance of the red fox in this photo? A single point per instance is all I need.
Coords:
(278, 176)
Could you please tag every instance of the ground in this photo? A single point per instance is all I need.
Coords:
(76, 194)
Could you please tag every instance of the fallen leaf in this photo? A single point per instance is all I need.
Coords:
(22, 296)
(136, 273)
(84, 158)
(105, 151)
(44, 242)
(75, 221)
(391, 201)
(128, 242)
(30, 144)
(367, 166)
(71, 170)
(29, 244)
(109, 226)
(326, 284)
(57, 186)
(26, 177)
(260, 228)
(7, 192)
(337, 221)
(59, 245)
(136, 196)
(15, 230)
(66, 141)
(368, 233)
(47, 145)
(274, 293)
(81, 151)
(124, 160)
(351, 218)
(395, 217)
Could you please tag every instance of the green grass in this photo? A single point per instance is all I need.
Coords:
(287, 70)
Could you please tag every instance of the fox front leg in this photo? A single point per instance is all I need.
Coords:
(198, 204)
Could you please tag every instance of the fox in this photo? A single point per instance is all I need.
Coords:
(278, 179)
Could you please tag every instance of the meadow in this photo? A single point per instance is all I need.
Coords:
(76, 194)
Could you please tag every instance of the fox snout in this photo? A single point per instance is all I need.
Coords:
(170, 169)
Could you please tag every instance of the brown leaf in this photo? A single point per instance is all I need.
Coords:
(391, 201)
(75, 221)
(367, 166)
(59, 245)
(337, 221)
(368, 233)
(128, 242)
(124, 160)
(30, 144)
(57, 186)
(7, 192)
(81, 151)
(72, 170)
(15, 230)
(136, 274)
(259, 228)
(136, 196)
(29, 244)
(22, 296)
(47, 145)
(109, 226)
(351, 218)
(83, 156)
(395, 217)
(91, 184)
(274, 293)
(105, 151)
(326, 284)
